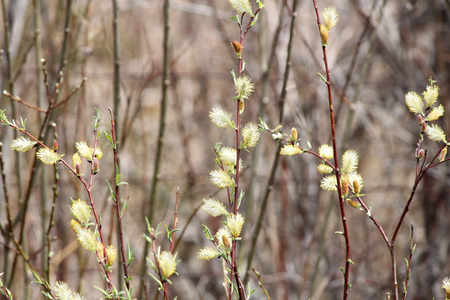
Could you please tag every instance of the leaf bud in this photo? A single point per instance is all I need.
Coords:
(420, 118)
(323, 34)
(225, 241)
(96, 166)
(352, 203)
(423, 126)
(55, 146)
(443, 154)
(356, 187)
(344, 184)
(294, 134)
(420, 153)
(237, 47)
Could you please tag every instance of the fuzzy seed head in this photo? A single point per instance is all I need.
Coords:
(111, 254)
(76, 227)
(435, 114)
(349, 161)
(414, 103)
(430, 95)
(221, 118)
(330, 17)
(234, 224)
(220, 178)
(84, 150)
(326, 151)
(290, 150)
(435, 133)
(207, 253)
(98, 152)
(324, 169)
(214, 207)
(250, 135)
(329, 183)
(167, 263)
(244, 87)
(85, 236)
(242, 6)
(446, 287)
(81, 211)
(62, 291)
(22, 144)
(227, 156)
(47, 156)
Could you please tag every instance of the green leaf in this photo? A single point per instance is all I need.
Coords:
(260, 4)
(147, 238)
(157, 232)
(171, 232)
(234, 76)
(321, 77)
(149, 228)
(111, 191)
(130, 254)
(118, 177)
(105, 293)
(124, 206)
(23, 123)
(156, 280)
(250, 291)
(207, 232)
(3, 117)
(241, 195)
(254, 21)
(96, 122)
(110, 139)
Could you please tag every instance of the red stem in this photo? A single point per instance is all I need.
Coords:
(336, 163)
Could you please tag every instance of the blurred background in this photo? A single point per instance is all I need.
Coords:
(378, 51)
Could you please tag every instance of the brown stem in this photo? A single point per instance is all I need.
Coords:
(117, 201)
